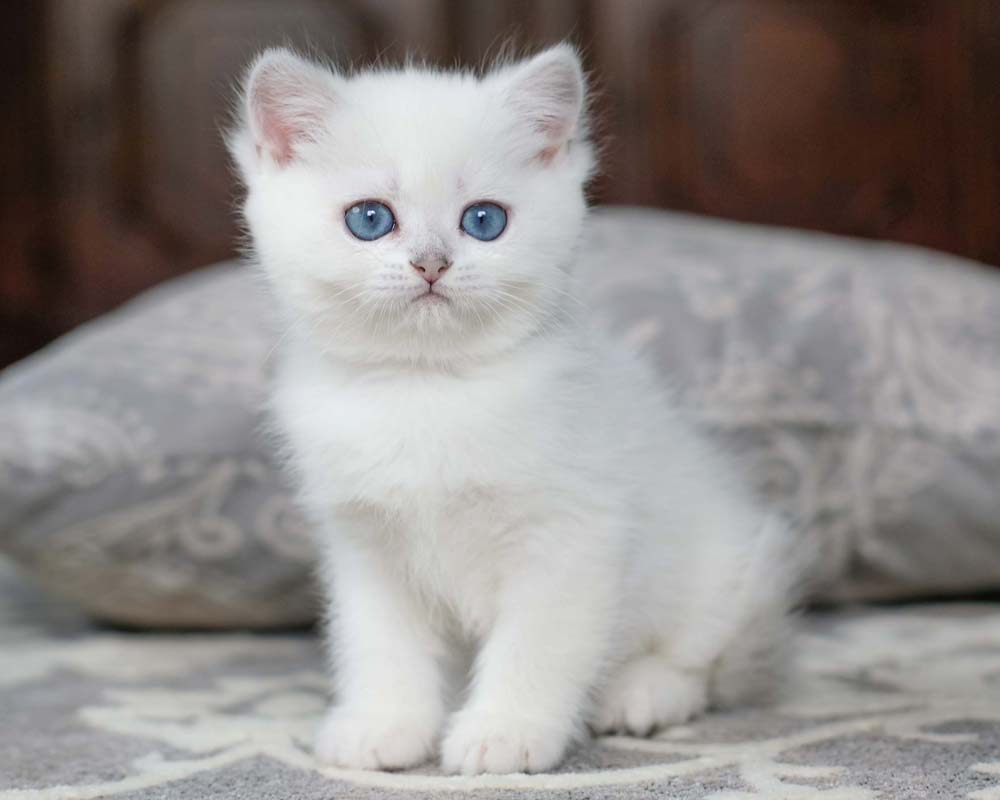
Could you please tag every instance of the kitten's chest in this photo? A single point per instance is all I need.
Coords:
(400, 443)
(440, 474)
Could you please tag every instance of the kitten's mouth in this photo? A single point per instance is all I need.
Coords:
(430, 297)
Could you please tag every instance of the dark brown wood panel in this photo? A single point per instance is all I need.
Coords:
(26, 260)
(877, 118)
(140, 92)
(872, 119)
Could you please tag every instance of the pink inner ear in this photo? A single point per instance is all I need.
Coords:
(548, 155)
(288, 100)
(549, 96)
(277, 134)
(557, 131)
(276, 120)
(552, 126)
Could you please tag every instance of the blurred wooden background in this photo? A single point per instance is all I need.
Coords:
(876, 118)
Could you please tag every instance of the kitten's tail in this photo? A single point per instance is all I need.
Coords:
(753, 667)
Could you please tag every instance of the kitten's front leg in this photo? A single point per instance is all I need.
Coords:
(536, 667)
(389, 707)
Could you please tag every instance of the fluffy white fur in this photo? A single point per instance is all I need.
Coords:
(513, 523)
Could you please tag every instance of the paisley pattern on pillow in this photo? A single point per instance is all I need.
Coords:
(857, 382)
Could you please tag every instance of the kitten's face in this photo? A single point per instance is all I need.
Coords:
(414, 215)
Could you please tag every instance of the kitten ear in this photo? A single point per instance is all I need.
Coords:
(546, 93)
(288, 101)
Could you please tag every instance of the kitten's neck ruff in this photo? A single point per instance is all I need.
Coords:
(443, 353)
(560, 332)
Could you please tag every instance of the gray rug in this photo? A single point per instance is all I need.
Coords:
(889, 703)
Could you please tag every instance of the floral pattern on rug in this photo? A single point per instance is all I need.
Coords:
(887, 703)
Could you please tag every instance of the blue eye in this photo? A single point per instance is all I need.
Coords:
(369, 220)
(485, 221)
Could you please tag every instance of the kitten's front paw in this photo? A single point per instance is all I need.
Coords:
(649, 693)
(495, 743)
(358, 740)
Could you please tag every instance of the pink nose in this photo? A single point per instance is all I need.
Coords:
(432, 268)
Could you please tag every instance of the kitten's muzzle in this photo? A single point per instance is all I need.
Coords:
(431, 268)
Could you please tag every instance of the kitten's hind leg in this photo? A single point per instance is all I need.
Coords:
(649, 692)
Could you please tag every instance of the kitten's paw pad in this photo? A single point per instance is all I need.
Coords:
(649, 693)
(494, 743)
(374, 741)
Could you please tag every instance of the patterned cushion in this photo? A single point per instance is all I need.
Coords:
(859, 382)
(860, 379)
(133, 477)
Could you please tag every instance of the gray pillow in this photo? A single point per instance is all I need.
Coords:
(132, 475)
(859, 381)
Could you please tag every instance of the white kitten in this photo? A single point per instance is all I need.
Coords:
(489, 478)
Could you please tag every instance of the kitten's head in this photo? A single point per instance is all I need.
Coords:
(411, 214)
